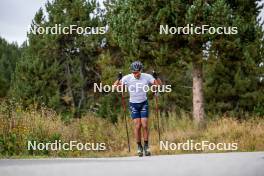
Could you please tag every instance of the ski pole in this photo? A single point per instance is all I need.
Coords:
(157, 104)
(124, 112)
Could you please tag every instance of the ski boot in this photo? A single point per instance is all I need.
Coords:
(147, 150)
(140, 151)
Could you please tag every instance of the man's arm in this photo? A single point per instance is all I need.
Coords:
(157, 81)
(118, 82)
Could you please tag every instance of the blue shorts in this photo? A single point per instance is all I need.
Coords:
(139, 110)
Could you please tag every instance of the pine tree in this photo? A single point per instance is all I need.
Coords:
(58, 70)
(134, 25)
(234, 80)
(9, 54)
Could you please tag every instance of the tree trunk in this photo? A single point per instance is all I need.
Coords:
(69, 85)
(198, 98)
(82, 91)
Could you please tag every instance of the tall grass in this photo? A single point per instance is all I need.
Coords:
(17, 127)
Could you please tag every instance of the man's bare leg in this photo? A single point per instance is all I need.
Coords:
(144, 122)
(137, 131)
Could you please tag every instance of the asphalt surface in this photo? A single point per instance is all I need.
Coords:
(220, 164)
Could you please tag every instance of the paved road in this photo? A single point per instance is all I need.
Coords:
(221, 164)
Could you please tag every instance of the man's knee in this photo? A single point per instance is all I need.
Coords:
(138, 124)
(144, 124)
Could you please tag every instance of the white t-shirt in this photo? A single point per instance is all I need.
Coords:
(137, 87)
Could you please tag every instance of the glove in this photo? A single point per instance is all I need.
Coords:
(155, 75)
(119, 77)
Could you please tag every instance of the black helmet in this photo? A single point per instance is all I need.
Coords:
(136, 66)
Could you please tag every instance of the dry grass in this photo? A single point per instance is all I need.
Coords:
(45, 125)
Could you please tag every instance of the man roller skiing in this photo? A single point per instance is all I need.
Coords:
(136, 83)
